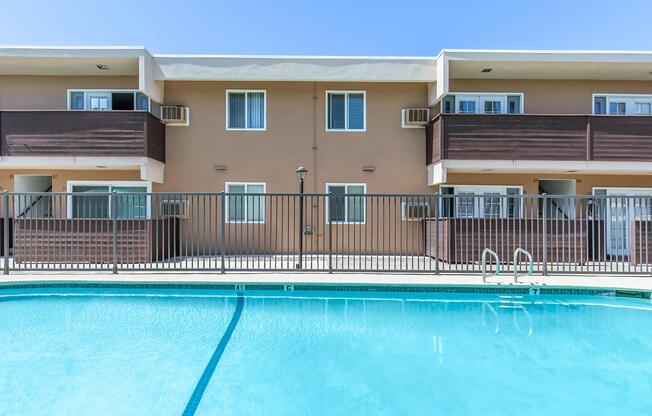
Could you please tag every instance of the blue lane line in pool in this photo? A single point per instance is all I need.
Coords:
(200, 388)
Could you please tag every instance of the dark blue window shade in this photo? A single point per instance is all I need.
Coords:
(600, 105)
(77, 100)
(356, 111)
(237, 110)
(336, 203)
(336, 108)
(256, 110)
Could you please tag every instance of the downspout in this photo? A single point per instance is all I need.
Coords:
(314, 138)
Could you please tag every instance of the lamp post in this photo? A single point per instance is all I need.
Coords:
(301, 174)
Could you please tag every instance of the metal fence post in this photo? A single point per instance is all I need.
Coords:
(436, 242)
(222, 231)
(114, 221)
(545, 234)
(5, 231)
(330, 237)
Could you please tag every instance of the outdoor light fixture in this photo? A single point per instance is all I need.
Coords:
(102, 67)
(301, 172)
(221, 167)
(368, 168)
(487, 69)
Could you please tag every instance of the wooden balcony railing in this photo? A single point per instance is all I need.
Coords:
(539, 137)
(81, 133)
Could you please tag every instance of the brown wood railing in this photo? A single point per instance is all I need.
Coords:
(539, 137)
(81, 133)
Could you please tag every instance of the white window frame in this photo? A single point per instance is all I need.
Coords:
(72, 183)
(630, 102)
(346, 110)
(474, 188)
(481, 97)
(346, 203)
(245, 91)
(108, 91)
(246, 185)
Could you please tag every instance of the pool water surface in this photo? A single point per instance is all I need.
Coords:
(202, 352)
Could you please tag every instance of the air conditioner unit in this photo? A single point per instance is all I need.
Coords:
(175, 115)
(415, 210)
(415, 117)
(174, 208)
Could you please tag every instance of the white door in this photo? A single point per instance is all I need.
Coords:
(634, 204)
(98, 101)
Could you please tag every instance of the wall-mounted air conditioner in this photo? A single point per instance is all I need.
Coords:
(175, 115)
(415, 117)
(415, 210)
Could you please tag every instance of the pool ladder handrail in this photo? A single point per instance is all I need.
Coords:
(529, 256)
(484, 263)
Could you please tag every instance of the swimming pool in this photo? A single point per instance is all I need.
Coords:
(173, 352)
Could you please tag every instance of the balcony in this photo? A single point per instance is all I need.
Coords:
(105, 134)
(529, 137)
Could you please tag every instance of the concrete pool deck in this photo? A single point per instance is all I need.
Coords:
(607, 282)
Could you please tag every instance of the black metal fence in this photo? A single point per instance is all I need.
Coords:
(221, 232)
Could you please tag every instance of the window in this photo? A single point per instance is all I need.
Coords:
(246, 109)
(466, 107)
(241, 207)
(465, 204)
(104, 100)
(483, 103)
(617, 108)
(644, 109)
(514, 104)
(448, 104)
(492, 107)
(345, 110)
(482, 201)
(346, 203)
(91, 199)
(623, 104)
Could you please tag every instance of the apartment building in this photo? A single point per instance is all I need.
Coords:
(464, 122)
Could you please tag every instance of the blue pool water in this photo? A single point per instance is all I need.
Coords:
(121, 352)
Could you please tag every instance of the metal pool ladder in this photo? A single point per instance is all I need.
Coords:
(529, 256)
(484, 263)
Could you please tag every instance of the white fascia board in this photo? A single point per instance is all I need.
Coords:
(72, 51)
(79, 163)
(556, 166)
(547, 55)
(336, 69)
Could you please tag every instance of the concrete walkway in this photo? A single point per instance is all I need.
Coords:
(640, 282)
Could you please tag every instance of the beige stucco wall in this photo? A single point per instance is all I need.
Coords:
(295, 136)
(529, 182)
(50, 92)
(553, 96)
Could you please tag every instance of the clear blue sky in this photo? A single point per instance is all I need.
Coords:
(334, 27)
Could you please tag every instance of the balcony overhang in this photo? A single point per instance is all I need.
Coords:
(150, 169)
(438, 172)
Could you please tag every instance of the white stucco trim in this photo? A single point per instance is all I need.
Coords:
(282, 68)
(150, 169)
(437, 172)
